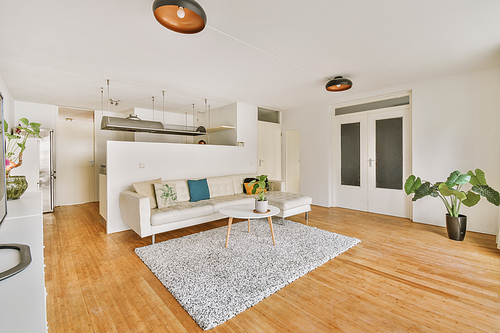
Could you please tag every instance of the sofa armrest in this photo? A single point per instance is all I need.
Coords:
(136, 212)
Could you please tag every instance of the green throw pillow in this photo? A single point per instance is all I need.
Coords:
(166, 195)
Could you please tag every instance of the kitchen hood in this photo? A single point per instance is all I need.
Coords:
(134, 124)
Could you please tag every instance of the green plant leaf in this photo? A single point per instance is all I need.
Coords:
(424, 190)
(472, 199)
(25, 121)
(5, 126)
(490, 194)
(446, 191)
(477, 179)
(456, 178)
(412, 184)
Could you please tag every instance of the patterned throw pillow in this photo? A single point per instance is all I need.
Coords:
(166, 195)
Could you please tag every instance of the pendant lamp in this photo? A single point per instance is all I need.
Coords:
(339, 83)
(183, 16)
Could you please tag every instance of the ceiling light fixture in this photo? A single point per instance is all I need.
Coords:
(183, 16)
(339, 83)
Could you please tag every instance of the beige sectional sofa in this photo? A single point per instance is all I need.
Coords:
(140, 212)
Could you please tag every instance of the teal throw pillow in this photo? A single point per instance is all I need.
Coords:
(198, 190)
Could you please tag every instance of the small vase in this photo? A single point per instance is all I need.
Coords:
(16, 186)
(261, 206)
(456, 226)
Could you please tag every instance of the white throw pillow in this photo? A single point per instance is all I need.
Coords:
(166, 195)
(146, 188)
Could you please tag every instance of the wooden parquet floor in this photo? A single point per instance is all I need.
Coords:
(402, 277)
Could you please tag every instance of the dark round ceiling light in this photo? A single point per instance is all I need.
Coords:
(183, 16)
(339, 83)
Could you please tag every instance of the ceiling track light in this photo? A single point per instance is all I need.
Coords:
(339, 83)
(183, 16)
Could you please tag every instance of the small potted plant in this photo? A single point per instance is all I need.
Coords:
(452, 195)
(260, 187)
(14, 148)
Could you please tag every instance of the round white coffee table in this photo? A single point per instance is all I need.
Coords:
(247, 212)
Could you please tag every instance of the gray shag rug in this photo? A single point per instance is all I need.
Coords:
(214, 283)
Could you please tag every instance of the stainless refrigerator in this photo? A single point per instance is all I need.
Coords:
(47, 174)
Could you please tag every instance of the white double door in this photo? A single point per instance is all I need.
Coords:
(372, 161)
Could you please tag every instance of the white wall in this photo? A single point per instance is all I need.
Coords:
(167, 161)
(8, 102)
(454, 126)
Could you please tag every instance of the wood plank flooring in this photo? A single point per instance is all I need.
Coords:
(402, 277)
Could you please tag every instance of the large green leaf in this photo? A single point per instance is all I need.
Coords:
(412, 184)
(424, 190)
(456, 178)
(477, 179)
(472, 199)
(446, 191)
(25, 121)
(490, 194)
(5, 126)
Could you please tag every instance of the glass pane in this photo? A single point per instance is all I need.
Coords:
(389, 153)
(350, 154)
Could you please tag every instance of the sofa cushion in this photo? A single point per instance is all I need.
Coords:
(182, 188)
(198, 190)
(166, 195)
(183, 211)
(220, 186)
(238, 181)
(237, 199)
(285, 201)
(146, 188)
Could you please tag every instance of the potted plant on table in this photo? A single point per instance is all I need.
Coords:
(15, 144)
(260, 187)
(452, 195)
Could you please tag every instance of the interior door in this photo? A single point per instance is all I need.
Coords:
(46, 169)
(373, 160)
(388, 162)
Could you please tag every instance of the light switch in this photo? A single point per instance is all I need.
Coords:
(142, 165)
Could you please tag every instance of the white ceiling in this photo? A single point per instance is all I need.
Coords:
(276, 54)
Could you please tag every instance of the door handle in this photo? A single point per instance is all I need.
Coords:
(370, 160)
(91, 162)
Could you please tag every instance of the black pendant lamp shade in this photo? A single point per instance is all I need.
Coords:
(339, 83)
(183, 16)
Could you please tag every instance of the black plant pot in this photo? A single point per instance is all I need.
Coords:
(456, 226)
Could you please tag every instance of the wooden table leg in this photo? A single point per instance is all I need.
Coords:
(229, 229)
(249, 225)
(271, 227)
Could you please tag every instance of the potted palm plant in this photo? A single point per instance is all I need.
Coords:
(260, 187)
(452, 195)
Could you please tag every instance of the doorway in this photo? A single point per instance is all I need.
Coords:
(75, 182)
(292, 161)
(269, 150)
(372, 153)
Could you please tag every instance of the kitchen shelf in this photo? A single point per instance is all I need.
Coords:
(219, 128)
